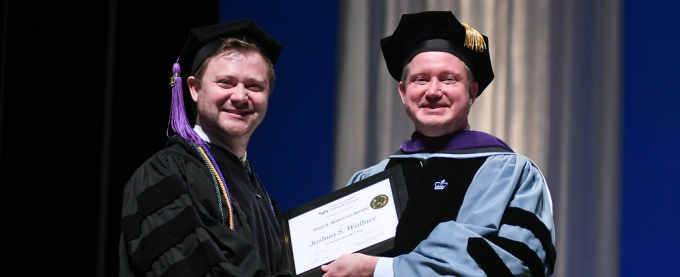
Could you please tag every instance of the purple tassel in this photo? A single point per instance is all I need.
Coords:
(178, 117)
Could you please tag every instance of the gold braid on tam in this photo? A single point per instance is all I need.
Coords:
(473, 39)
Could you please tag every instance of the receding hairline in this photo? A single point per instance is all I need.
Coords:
(233, 46)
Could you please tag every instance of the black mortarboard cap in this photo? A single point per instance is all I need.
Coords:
(204, 41)
(437, 31)
(201, 43)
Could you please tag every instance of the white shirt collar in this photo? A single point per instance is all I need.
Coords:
(208, 138)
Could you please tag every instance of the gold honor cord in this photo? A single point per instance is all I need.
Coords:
(217, 178)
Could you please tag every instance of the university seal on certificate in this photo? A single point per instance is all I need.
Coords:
(362, 218)
(379, 201)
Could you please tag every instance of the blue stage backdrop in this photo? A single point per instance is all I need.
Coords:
(293, 148)
(650, 198)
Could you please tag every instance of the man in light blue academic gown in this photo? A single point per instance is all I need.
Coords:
(475, 207)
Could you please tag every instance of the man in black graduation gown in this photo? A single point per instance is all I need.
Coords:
(197, 208)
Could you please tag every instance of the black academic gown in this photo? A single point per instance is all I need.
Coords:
(172, 223)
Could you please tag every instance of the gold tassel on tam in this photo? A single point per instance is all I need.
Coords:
(474, 39)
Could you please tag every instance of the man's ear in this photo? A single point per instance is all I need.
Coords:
(402, 92)
(193, 85)
(474, 89)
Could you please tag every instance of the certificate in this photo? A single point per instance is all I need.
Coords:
(362, 217)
